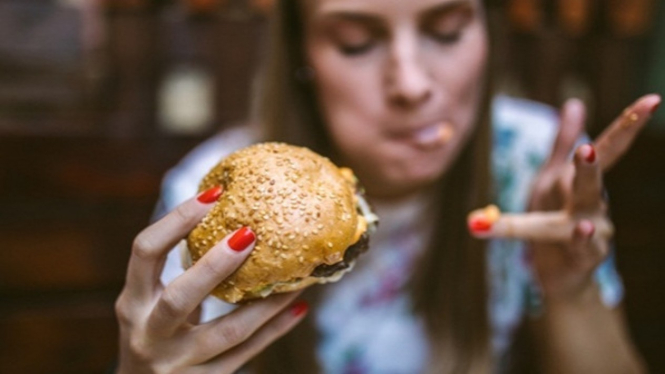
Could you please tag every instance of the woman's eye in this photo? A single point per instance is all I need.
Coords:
(354, 37)
(356, 49)
(448, 28)
(447, 38)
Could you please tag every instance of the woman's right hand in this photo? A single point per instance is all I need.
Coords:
(156, 335)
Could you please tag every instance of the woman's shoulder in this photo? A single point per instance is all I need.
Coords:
(524, 120)
(181, 182)
(523, 135)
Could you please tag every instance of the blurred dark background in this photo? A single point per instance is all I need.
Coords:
(99, 98)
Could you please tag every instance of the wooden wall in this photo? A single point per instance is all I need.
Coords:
(70, 209)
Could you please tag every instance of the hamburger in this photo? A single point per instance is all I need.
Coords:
(310, 219)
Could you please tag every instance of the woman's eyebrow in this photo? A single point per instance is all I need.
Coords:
(365, 18)
(447, 7)
(376, 20)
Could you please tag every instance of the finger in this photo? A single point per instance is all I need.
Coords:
(586, 251)
(182, 296)
(233, 329)
(273, 330)
(534, 226)
(587, 182)
(615, 141)
(152, 244)
(539, 226)
(573, 116)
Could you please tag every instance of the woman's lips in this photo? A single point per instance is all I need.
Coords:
(431, 136)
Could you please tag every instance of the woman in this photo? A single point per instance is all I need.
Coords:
(398, 91)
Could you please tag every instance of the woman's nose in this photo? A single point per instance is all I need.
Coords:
(409, 84)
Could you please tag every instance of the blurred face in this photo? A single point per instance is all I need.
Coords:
(399, 83)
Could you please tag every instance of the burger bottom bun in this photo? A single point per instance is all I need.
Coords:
(234, 295)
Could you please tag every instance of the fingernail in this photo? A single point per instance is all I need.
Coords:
(211, 195)
(589, 153)
(586, 229)
(480, 224)
(655, 108)
(589, 229)
(299, 308)
(241, 239)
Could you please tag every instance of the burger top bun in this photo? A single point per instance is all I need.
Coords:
(300, 206)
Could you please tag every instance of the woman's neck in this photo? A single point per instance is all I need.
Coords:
(406, 211)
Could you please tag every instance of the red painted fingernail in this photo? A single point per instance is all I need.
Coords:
(211, 195)
(655, 108)
(480, 224)
(299, 308)
(589, 153)
(241, 239)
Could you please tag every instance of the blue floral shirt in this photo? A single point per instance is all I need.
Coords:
(380, 335)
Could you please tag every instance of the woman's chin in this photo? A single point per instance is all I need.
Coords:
(399, 183)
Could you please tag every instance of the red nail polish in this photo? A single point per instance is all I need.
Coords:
(211, 195)
(480, 224)
(241, 239)
(655, 108)
(299, 308)
(590, 156)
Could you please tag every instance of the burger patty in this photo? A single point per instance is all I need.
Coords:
(351, 253)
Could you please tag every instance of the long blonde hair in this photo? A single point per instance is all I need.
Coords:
(448, 286)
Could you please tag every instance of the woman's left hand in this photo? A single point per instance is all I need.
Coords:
(568, 225)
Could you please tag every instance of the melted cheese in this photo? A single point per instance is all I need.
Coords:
(360, 229)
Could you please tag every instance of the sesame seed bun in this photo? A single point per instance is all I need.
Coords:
(302, 208)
